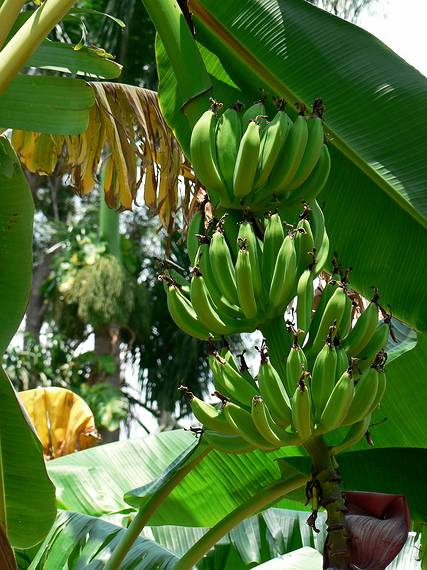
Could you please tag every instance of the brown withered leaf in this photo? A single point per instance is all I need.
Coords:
(63, 421)
(127, 129)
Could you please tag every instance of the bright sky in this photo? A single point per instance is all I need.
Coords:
(401, 24)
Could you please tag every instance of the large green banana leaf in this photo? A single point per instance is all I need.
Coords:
(16, 238)
(56, 105)
(29, 496)
(78, 542)
(63, 57)
(94, 481)
(376, 122)
(253, 541)
(261, 538)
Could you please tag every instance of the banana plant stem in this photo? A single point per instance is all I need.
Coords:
(259, 501)
(29, 36)
(147, 511)
(337, 547)
(9, 11)
(193, 81)
(278, 343)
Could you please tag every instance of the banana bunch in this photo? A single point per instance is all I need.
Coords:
(335, 366)
(252, 414)
(240, 278)
(330, 383)
(242, 158)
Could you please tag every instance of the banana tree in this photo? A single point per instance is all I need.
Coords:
(236, 71)
(236, 60)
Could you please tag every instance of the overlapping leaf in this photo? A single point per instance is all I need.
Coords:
(89, 62)
(230, 479)
(55, 105)
(28, 496)
(79, 541)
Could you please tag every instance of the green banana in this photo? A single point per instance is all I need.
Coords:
(226, 354)
(323, 377)
(296, 364)
(229, 382)
(209, 416)
(195, 228)
(378, 341)
(273, 239)
(304, 302)
(365, 393)
(342, 362)
(312, 152)
(228, 135)
(382, 385)
(205, 309)
(246, 162)
(332, 315)
(230, 228)
(183, 314)
(314, 184)
(327, 293)
(284, 280)
(338, 404)
(227, 443)
(304, 245)
(362, 332)
(245, 372)
(272, 142)
(252, 112)
(302, 419)
(203, 155)
(243, 424)
(347, 319)
(181, 281)
(273, 392)
(247, 235)
(289, 158)
(268, 428)
(354, 435)
(317, 224)
(321, 256)
(244, 281)
(222, 267)
(223, 304)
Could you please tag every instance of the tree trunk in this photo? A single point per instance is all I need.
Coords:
(36, 305)
(107, 342)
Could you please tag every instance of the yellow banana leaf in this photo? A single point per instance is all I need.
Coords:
(125, 121)
(62, 419)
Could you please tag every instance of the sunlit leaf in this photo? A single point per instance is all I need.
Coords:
(55, 105)
(79, 541)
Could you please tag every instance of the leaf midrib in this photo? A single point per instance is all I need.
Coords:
(278, 87)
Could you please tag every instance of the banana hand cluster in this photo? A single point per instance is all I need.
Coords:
(252, 414)
(329, 384)
(243, 275)
(244, 159)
